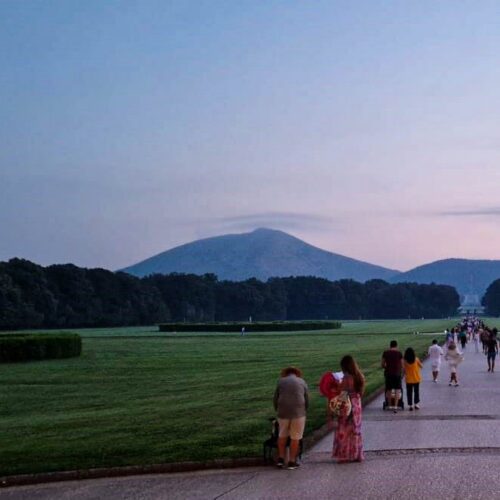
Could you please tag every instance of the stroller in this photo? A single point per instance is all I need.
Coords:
(401, 403)
(271, 443)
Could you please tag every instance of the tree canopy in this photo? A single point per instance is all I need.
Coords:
(491, 299)
(67, 296)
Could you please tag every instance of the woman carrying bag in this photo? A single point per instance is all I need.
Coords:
(346, 407)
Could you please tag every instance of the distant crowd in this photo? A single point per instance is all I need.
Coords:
(344, 389)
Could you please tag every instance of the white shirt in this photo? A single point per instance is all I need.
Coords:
(435, 352)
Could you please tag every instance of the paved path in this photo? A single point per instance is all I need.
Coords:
(448, 449)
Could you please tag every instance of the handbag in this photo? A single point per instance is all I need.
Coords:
(341, 405)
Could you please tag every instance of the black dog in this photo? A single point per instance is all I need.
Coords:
(272, 443)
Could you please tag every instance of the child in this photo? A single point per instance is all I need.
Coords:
(413, 377)
(454, 358)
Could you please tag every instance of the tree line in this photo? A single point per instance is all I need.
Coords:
(67, 296)
(491, 299)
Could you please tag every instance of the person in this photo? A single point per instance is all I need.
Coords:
(329, 387)
(454, 358)
(413, 375)
(348, 440)
(476, 337)
(291, 401)
(435, 353)
(484, 336)
(449, 338)
(463, 338)
(492, 351)
(392, 363)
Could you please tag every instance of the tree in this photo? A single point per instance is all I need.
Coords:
(491, 299)
(39, 304)
(188, 297)
(66, 296)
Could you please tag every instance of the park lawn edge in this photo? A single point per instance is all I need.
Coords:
(128, 467)
(168, 468)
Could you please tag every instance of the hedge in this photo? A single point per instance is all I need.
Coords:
(18, 347)
(260, 326)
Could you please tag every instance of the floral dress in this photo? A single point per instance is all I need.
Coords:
(348, 440)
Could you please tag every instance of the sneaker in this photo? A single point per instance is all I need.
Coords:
(449, 384)
(435, 381)
(293, 465)
(456, 384)
(410, 408)
(417, 407)
(280, 462)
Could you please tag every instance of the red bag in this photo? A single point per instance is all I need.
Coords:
(329, 386)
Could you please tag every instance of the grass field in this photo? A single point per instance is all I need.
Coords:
(136, 396)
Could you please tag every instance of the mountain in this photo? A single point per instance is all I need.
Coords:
(262, 254)
(469, 277)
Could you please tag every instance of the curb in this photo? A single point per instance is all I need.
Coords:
(135, 470)
(132, 470)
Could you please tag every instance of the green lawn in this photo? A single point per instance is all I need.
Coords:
(139, 397)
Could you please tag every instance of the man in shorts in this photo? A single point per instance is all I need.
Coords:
(291, 400)
(392, 363)
(435, 354)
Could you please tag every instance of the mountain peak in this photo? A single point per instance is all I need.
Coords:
(262, 253)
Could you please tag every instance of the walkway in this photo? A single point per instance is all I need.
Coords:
(448, 449)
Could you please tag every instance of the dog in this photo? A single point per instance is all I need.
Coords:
(271, 444)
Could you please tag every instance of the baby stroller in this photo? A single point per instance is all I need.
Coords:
(271, 444)
(401, 403)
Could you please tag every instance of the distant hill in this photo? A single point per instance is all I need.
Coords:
(262, 254)
(467, 276)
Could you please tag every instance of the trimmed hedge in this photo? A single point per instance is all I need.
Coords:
(259, 326)
(18, 347)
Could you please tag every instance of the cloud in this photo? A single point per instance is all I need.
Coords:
(277, 220)
(489, 211)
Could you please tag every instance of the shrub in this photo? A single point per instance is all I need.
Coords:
(260, 326)
(18, 347)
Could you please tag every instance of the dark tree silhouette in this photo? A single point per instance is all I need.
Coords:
(64, 296)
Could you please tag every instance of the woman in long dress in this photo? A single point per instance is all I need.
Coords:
(348, 439)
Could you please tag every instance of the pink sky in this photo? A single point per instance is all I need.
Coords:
(369, 129)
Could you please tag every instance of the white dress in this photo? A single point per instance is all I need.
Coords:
(454, 358)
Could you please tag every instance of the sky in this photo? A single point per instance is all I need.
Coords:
(367, 128)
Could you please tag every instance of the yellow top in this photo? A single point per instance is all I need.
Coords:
(412, 372)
